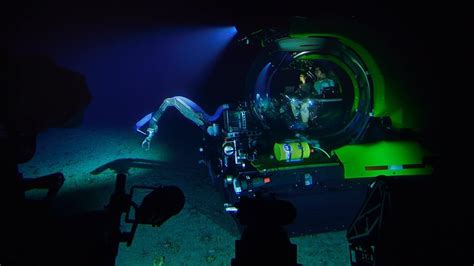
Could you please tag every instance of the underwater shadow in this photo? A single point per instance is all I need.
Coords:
(124, 165)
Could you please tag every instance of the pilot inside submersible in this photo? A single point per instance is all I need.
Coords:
(304, 101)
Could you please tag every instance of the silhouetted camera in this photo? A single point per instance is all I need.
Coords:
(157, 206)
(264, 241)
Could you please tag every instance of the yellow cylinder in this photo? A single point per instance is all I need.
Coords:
(291, 152)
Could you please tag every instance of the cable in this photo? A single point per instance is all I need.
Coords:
(327, 154)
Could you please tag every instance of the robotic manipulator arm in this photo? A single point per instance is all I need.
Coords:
(187, 108)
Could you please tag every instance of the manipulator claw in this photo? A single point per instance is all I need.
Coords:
(151, 133)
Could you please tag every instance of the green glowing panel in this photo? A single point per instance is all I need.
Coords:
(389, 158)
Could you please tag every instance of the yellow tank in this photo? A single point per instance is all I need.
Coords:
(293, 151)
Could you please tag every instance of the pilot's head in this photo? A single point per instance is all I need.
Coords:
(320, 73)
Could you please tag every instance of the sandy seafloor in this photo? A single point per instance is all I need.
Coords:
(201, 234)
